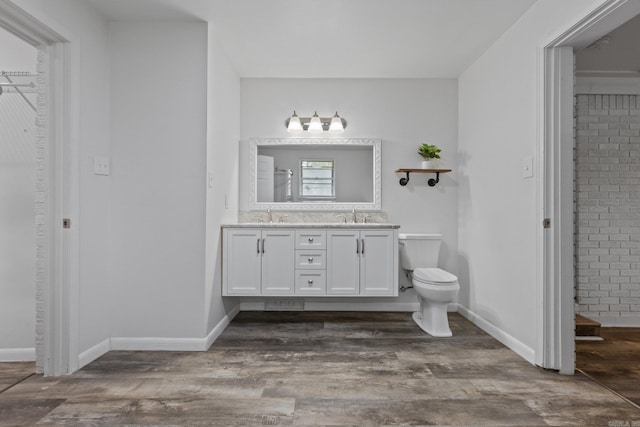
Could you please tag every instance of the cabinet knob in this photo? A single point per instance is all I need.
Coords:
(310, 239)
(310, 282)
(310, 259)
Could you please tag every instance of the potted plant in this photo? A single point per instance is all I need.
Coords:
(429, 153)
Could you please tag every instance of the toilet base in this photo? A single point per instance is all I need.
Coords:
(435, 323)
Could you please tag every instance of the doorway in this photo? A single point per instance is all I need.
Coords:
(558, 322)
(56, 188)
(17, 198)
(607, 185)
(607, 195)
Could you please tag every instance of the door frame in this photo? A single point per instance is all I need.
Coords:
(57, 186)
(556, 325)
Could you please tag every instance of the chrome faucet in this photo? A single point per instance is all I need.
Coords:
(354, 219)
(269, 216)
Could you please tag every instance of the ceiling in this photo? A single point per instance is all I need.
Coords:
(617, 52)
(340, 38)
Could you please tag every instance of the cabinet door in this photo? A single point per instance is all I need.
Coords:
(343, 263)
(378, 262)
(278, 262)
(242, 261)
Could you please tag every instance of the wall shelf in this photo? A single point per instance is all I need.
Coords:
(432, 182)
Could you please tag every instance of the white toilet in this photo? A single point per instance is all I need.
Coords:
(436, 288)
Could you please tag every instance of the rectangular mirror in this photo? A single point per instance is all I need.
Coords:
(314, 173)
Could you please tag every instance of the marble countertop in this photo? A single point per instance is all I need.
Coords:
(348, 225)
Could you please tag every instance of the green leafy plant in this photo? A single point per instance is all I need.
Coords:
(429, 152)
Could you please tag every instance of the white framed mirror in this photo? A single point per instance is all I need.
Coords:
(323, 174)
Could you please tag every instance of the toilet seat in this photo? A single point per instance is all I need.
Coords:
(434, 276)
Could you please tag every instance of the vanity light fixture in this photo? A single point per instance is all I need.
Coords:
(315, 124)
(336, 125)
(294, 125)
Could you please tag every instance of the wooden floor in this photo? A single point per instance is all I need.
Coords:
(313, 368)
(615, 361)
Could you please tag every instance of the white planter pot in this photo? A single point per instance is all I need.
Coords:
(428, 164)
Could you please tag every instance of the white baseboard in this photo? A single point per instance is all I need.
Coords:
(517, 346)
(221, 326)
(153, 344)
(157, 344)
(18, 354)
(94, 352)
(320, 305)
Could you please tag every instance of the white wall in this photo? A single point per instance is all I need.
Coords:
(149, 252)
(500, 124)
(223, 132)
(404, 113)
(17, 214)
(90, 65)
(159, 152)
(16, 54)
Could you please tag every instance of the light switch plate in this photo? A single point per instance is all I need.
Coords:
(527, 167)
(101, 165)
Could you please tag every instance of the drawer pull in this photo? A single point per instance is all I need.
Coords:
(310, 239)
(310, 282)
(310, 259)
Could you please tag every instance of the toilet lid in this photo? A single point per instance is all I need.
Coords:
(433, 275)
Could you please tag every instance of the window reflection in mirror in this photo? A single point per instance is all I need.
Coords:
(317, 180)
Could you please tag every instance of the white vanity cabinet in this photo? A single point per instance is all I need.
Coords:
(347, 260)
(311, 262)
(258, 261)
(362, 262)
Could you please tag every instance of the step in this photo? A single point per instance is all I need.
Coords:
(586, 327)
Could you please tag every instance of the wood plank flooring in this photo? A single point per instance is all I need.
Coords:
(615, 361)
(314, 368)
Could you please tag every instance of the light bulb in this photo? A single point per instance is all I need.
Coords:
(294, 124)
(336, 124)
(315, 125)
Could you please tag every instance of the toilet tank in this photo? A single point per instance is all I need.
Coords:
(419, 250)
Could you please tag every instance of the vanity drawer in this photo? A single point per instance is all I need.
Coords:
(311, 282)
(311, 260)
(311, 239)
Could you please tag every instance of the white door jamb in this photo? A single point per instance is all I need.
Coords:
(556, 325)
(57, 188)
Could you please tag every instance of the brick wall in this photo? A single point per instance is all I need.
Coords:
(607, 208)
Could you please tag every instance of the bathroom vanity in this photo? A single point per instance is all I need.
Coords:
(310, 260)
